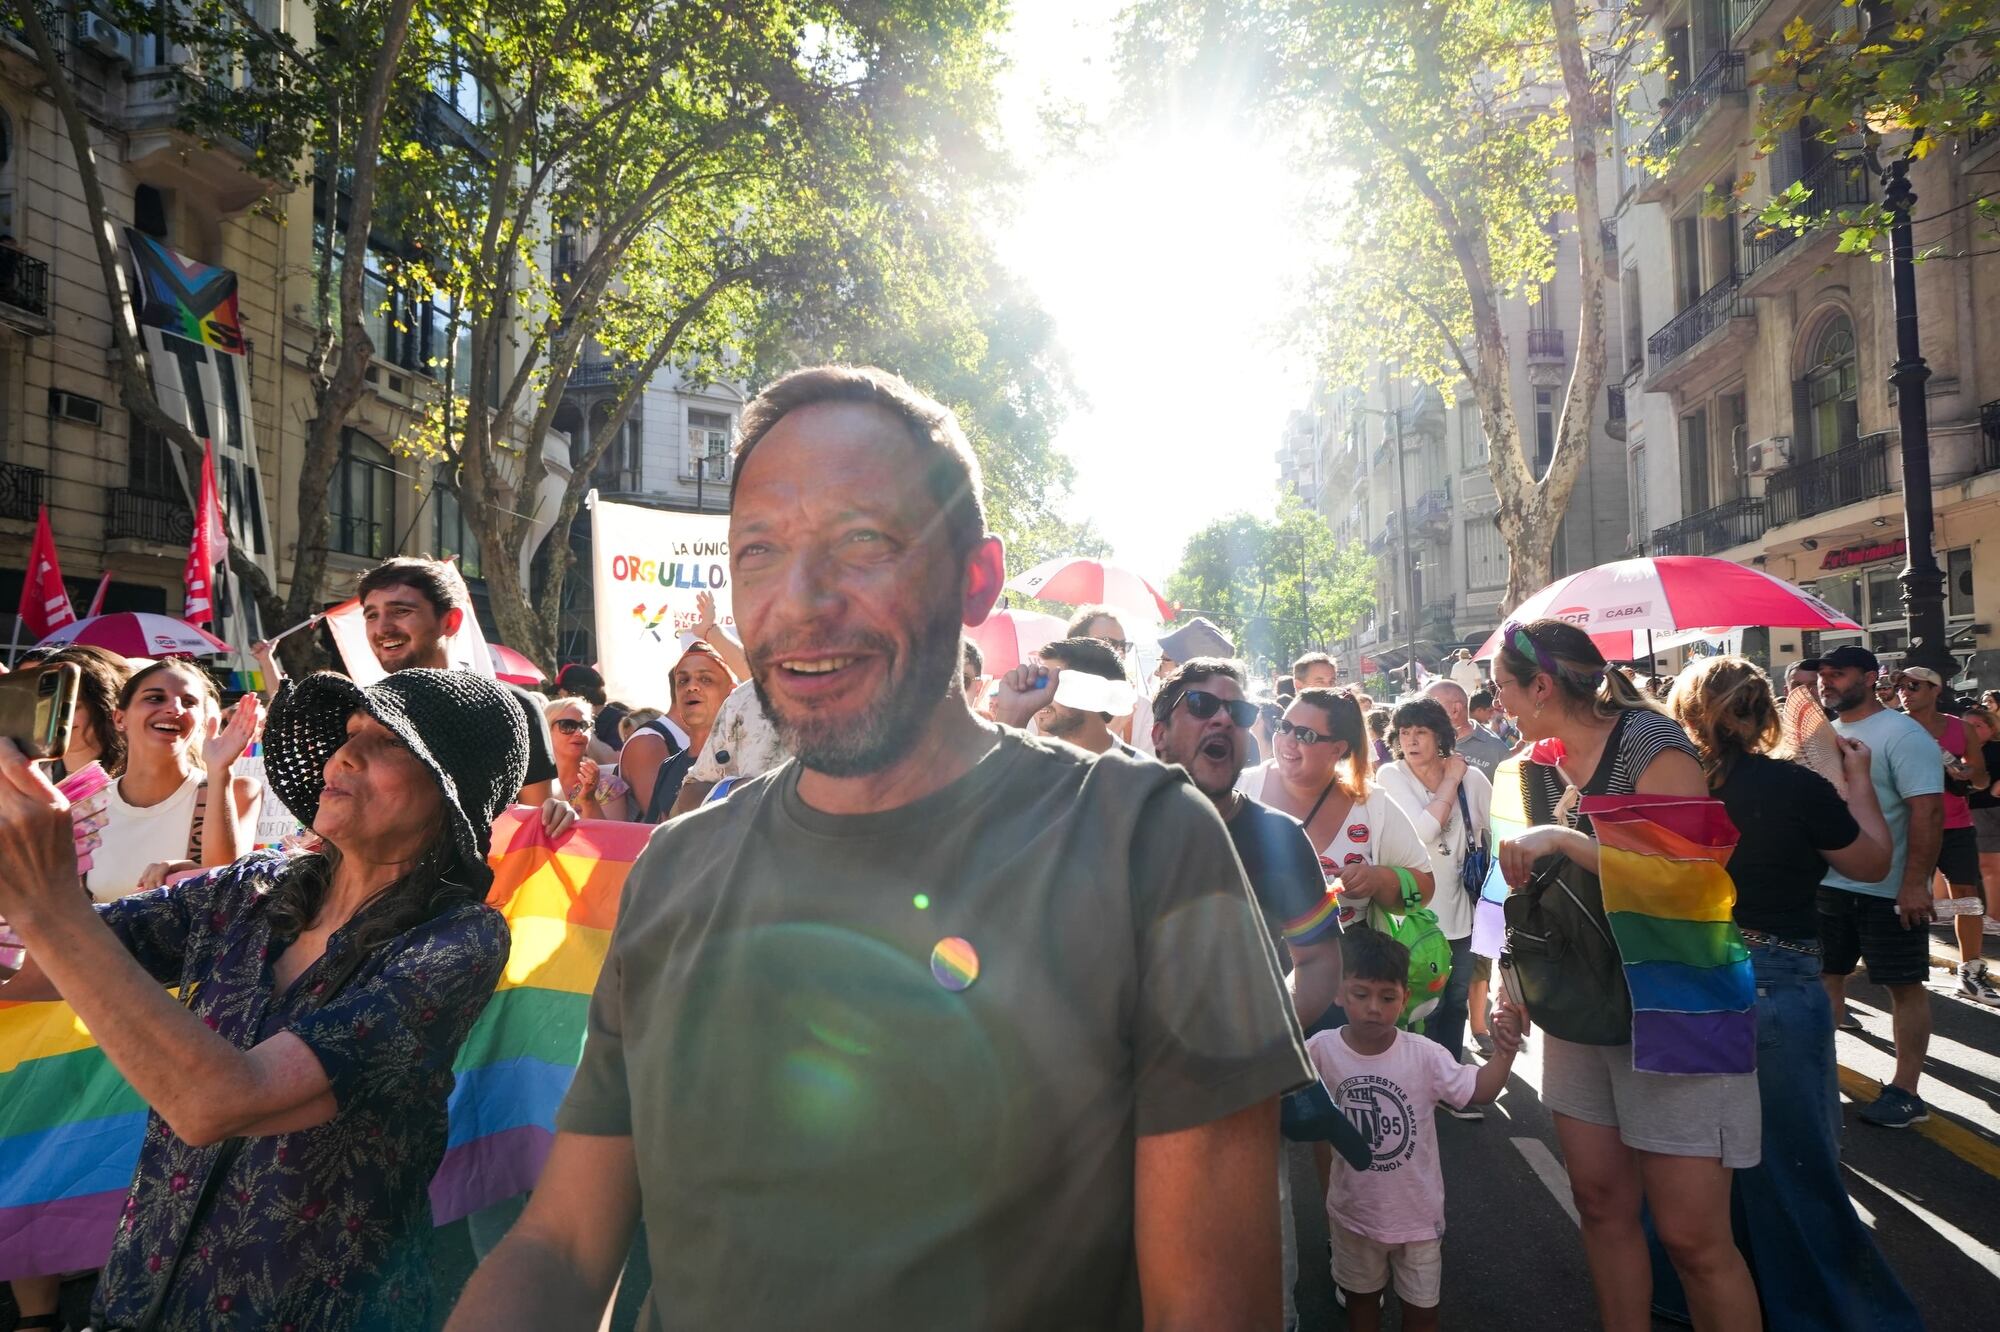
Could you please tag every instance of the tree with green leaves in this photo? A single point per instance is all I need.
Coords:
(717, 170)
(1453, 138)
(1877, 81)
(1279, 586)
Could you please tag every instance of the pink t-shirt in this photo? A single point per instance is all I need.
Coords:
(1391, 1098)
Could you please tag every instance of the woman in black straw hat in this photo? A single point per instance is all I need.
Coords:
(298, 1085)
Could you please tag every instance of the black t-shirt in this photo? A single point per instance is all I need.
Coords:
(1285, 875)
(1983, 798)
(541, 751)
(1785, 816)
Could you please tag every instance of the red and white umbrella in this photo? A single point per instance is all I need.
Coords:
(139, 634)
(1628, 606)
(1009, 637)
(1082, 582)
(514, 668)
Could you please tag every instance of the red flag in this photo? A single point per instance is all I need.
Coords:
(97, 597)
(208, 548)
(45, 604)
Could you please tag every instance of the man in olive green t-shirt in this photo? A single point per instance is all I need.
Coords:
(937, 1026)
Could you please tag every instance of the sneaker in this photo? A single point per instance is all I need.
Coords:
(1483, 1043)
(1973, 984)
(1467, 1112)
(1894, 1108)
(1847, 1021)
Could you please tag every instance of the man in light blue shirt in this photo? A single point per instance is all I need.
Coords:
(1885, 923)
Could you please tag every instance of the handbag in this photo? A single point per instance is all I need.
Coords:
(1477, 862)
(1560, 949)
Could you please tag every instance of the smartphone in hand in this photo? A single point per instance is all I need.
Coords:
(37, 708)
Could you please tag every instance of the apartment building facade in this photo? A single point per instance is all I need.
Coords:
(116, 501)
(1392, 465)
(1755, 362)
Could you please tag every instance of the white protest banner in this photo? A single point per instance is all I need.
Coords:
(648, 566)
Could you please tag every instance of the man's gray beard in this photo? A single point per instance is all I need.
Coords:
(889, 729)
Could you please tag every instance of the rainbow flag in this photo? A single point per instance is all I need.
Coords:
(1508, 818)
(1663, 864)
(71, 1127)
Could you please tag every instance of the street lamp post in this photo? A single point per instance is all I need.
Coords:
(1922, 579)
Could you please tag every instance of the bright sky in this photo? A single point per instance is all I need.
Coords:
(1167, 260)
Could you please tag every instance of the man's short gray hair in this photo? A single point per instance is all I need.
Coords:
(1451, 694)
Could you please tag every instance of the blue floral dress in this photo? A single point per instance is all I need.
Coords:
(329, 1227)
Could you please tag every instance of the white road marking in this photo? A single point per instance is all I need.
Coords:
(1549, 1170)
(1974, 1249)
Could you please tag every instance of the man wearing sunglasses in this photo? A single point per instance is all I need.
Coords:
(1201, 721)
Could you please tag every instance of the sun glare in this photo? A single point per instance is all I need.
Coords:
(1167, 259)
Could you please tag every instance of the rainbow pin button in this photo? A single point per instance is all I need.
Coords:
(954, 964)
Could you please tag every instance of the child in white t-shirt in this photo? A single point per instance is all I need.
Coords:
(1388, 1220)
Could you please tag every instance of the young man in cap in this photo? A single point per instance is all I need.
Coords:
(1919, 688)
(1885, 923)
(937, 1024)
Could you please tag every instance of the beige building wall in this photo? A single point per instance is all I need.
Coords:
(106, 510)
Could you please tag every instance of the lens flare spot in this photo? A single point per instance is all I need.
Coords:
(954, 963)
(821, 1093)
(922, 901)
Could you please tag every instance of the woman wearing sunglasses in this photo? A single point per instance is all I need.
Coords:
(1448, 802)
(1320, 776)
(1666, 1141)
(594, 791)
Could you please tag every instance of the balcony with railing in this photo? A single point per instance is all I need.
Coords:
(1547, 344)
(1717, 84)
(1989, 437)
(1819, 485)
(138, 515)
(1836, 183)
(20, 491)
(197, 129)
(1432, 509)
(1732, 523)
(24, 290)
(1719, 317)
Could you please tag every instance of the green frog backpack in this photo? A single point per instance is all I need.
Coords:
(1430, 952)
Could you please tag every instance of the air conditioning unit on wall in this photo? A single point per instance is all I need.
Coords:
(1769, 455)
(100, 34)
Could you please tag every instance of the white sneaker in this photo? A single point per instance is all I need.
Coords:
(1973, 984)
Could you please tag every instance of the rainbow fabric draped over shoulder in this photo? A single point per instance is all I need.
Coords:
(1663, 864)
(1508, 818)
(71, 1127)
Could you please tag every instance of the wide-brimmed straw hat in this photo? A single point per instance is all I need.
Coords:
(466, 729)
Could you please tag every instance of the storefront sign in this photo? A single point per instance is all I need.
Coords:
(1853, 555)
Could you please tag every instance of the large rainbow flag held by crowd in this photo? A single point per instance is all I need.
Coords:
(1663, 863)
(70, 1126)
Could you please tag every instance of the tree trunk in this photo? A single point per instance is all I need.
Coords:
(335, 394)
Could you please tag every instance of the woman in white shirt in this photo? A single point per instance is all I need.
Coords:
(163, 814)
(1320, 776)
(1448, 802)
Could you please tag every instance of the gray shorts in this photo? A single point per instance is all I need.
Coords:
(1986, 829)
(1671, 1114)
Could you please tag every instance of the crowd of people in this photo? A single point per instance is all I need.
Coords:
(940, 999)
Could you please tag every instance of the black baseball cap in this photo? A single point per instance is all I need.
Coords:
(1848, 657)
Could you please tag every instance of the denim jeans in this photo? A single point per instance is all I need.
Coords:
(1446, 1024)
(1816, 1265)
